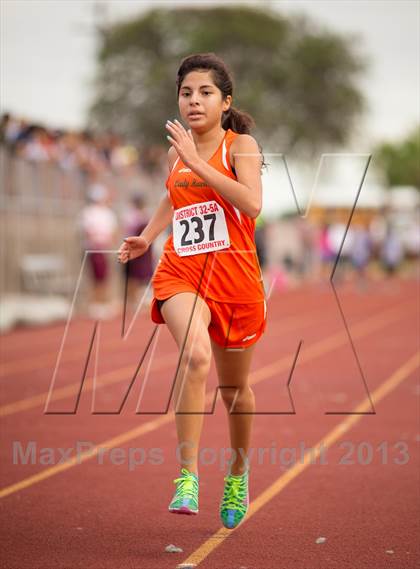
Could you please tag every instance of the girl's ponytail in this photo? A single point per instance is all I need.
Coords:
(241, 122)
(238, 121)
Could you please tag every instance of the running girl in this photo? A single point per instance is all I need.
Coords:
(208, 286)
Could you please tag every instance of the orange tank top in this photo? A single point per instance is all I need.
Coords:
(212, 245)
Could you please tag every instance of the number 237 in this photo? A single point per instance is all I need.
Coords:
(199, 230)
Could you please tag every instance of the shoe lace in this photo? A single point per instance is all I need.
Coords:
(234, 493)
(186, 483)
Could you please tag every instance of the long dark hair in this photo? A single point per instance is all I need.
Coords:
(238, 121)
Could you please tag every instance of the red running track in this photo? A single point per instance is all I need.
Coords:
(361, 494)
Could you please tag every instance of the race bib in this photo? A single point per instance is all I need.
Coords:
(200, 228)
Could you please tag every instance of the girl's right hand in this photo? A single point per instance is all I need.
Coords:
(131, 248)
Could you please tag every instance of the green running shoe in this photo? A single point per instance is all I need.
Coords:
(235, 501)
(185, 500)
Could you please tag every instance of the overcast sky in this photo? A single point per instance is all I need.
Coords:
(48, 55)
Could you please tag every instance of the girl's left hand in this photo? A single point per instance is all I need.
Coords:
(183, 142)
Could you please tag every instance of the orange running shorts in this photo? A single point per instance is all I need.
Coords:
(232, 325)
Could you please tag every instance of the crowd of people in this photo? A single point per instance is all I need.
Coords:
(363, 243)
(100, 223)
(331, 249)
(86, 152)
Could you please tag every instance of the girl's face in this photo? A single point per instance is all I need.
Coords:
(200, 102)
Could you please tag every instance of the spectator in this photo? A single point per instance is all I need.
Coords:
(139, 271)
(391, 252)
(260, 241)
(338, 232)
(306, 236)
(98, 224)
(360, 254)
(325, 251)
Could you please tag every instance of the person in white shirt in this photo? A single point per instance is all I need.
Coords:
(98, 224)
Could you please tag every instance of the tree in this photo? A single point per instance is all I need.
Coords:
(401, 161)
(298, 82)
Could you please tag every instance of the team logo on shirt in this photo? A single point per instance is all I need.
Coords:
(185, 184)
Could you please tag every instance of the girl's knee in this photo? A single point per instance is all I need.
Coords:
(240, 397)
(197, 356)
